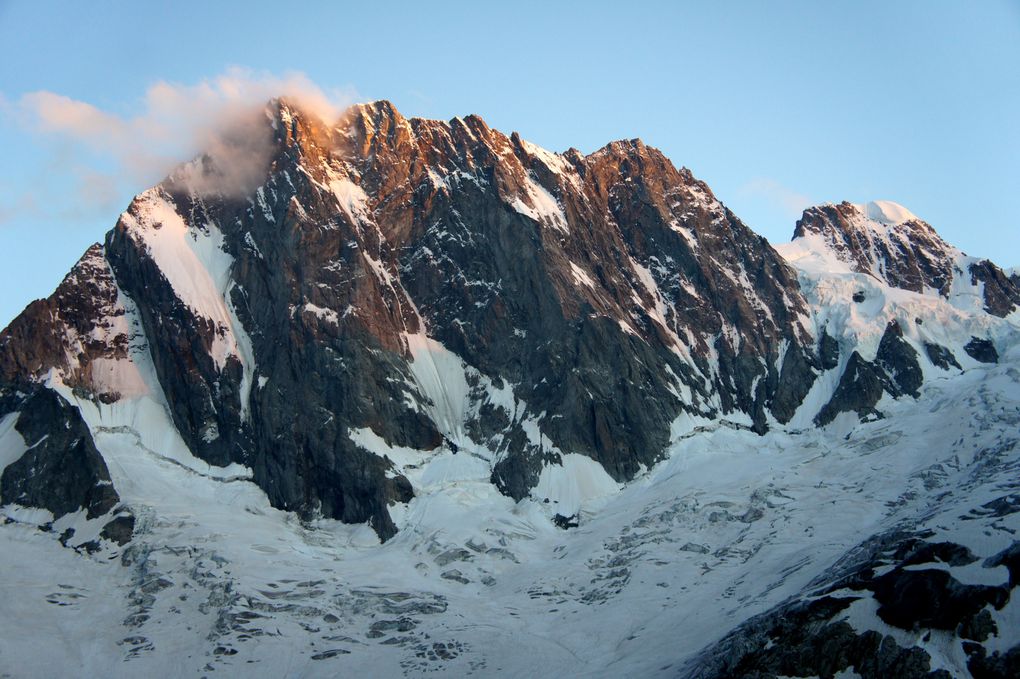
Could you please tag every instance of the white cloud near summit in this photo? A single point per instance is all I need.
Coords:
(175, 123)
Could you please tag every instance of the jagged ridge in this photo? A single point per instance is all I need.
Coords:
(591, 299)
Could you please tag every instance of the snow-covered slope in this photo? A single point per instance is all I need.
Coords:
(435, 400)
(729, 526)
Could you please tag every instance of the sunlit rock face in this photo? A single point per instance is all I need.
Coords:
(885, 240)
(584, 302)
(889, 242)
(580, 402)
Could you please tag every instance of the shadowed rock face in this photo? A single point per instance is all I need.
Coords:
(899, 361)
(859, 390)
(895, 371)
(1001, 292)
(810, 635)
(608, 293)
(941, 356)
(61, 471)
(981, 349)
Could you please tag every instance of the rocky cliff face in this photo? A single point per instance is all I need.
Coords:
(398, 284)
(1001, 292)
(79, 331)
(52, 463)
(437, 328)
(582, 303)
(60, 469)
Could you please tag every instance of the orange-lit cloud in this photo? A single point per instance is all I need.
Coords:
(217, 116)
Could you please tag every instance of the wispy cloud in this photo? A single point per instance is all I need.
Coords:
(218, 116)
(10, 209)
(790, 202)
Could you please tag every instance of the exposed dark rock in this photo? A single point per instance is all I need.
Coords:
(1010, 558)
(828, 350)
(120, 530)
(800, 640)
(978, 627)
(981, 350)
(909, 255)
(795, 379)
(859, 390)
(61, 471)
(516, 475)
(899, 360)
(926, 598)
(895, 371)
(914, 552)
(941, 356)
(806, 636)
(565, 522)
(1001, 506)
(931, 598)
(995, 666)
(1002, 293)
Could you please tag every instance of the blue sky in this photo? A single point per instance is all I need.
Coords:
(776, 105)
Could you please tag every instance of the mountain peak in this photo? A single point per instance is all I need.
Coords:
(887, 241)
(624, 147)
(881, 238)
(887, 212)
(879, 216)
(396, 322)
(378, 113)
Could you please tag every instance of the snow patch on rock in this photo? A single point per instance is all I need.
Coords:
(12, 445)
(541, 206)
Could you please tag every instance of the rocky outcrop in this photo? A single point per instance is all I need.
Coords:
(77, 331)
(884, 240)
(895, 371)
(941, 356)
(981, 349)
(61, 470)
(859, 390)
(828, 350)
(811, 635)
(812, 643)
(77, 337)
(899, 361)
(1001, 292)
